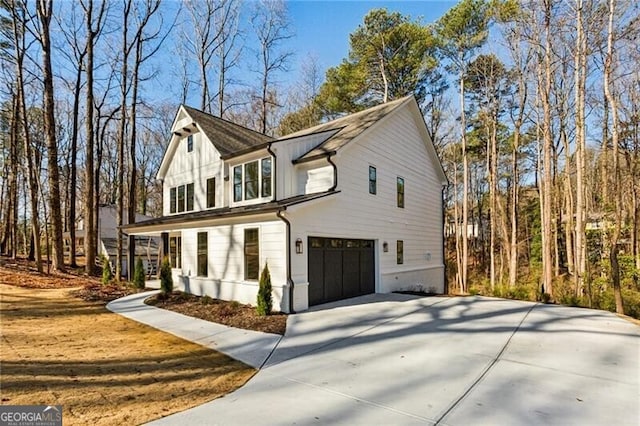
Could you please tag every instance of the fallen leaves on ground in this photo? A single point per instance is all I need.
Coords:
(232, 314)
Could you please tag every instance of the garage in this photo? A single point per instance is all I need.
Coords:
(340, 268)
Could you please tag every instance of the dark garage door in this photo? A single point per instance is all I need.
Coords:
(340, 268)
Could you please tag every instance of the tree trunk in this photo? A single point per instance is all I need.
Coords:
(89, 208)
(613, 105)
(44, 14)
(546, 193)
(121, 139)
(465, 184)
(74, 169)
(580, 76)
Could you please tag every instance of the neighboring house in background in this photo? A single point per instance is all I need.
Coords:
(346, 208)
(146, 247)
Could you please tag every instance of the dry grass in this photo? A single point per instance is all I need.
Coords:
(102, 368)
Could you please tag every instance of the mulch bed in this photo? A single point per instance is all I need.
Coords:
(98, 292)
(232, 314)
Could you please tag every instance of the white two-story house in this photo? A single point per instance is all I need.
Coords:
(343, 209)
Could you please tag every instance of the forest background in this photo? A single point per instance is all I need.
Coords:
(533, 107)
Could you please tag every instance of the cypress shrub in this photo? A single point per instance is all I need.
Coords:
(166, 280)
(138, 275)
(265, 303)
(107, 276)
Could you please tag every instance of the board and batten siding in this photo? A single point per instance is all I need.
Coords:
(225, 278)
(396, 149)
(194, 167)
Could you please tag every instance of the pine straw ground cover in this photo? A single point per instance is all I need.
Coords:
(102, 368)
(232, 314)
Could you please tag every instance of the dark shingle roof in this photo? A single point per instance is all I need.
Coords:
(349, 127)
(228, 138)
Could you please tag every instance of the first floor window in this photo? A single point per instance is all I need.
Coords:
(202, 254)
(175, 251)
(251, 254)
(237, 183)
(266, 177)
(211, 192)
(189, 197)
(400, 252)
(400, 192)
(172, 200)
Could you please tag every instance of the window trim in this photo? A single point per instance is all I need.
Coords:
(400, 252)
(373, 183)
(246, 263)
(205, 273)
(400, 186)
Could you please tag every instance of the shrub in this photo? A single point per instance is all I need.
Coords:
(107, 276)
(166, 280)
(264, 293)
(206, 300)
(138, 275)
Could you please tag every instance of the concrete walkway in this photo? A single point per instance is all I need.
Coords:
(396, 360)
(251, 347)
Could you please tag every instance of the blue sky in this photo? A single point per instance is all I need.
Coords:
(323, 27)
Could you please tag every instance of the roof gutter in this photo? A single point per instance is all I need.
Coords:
(335, 172)
(288, 260)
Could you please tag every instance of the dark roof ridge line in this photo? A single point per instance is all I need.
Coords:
(187, 107)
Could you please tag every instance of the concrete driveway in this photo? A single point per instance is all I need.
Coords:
(396, 359)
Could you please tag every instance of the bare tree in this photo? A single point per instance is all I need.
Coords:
(271, 25)
(613, 107)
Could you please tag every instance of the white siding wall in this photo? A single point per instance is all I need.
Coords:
(225, 278)
(196, 166)
(290, 176)
(395, 148)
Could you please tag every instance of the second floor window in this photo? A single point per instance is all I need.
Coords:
(190, 197)
(266, 177)
(211, 192)
(181, 198)
(400, 192)
(373, 180)
(172, 200)
(189, 143)
(253, 180)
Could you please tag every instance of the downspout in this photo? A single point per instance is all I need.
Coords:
(335, 172)
(288, 260)
(274, 173)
